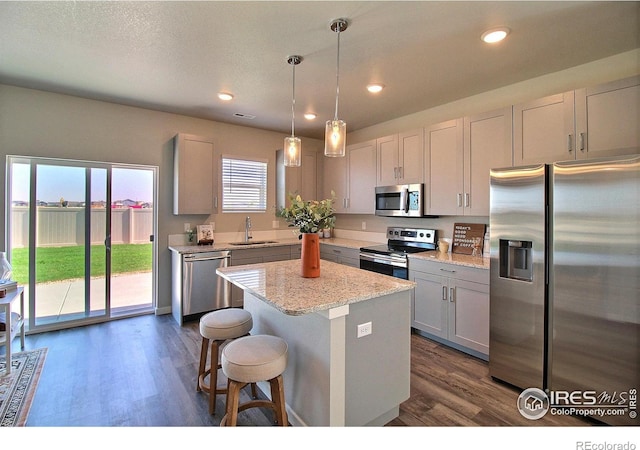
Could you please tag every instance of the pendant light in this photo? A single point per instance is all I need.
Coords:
(335, 135)
(292, 144)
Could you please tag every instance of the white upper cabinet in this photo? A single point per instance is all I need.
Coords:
(352, 178)
(443, 168)
(194, 175)
(487, 145)
(335, 181)
(387, 160)
(296, 180)
(608, 119)
(400, 158)
(544, 130)
(460, 154)
(586, 123)
(361, 177)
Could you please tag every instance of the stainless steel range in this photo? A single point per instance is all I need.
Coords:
(391, 258)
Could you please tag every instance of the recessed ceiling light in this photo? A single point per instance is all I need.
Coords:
(310, 116)
(225, 96)
(375, 88)
(495, 35)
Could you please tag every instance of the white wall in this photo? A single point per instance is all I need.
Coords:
(37, 123)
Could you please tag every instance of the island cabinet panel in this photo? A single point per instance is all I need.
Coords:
(451, 305)
(336, 375)
(340, 255)
(334, 378)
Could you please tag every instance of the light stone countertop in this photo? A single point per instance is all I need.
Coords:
(219, 246)
(281, 285)
(479, 262)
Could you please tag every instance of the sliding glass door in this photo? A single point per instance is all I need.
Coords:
(81, 239)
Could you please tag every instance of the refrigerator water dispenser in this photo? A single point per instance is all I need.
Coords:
(516, 260)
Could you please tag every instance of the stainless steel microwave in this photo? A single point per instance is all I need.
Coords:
(404, 200)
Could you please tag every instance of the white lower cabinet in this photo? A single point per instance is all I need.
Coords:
(341, 255)
(451, 304)
(257, 256)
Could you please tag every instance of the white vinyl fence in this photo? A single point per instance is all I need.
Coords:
(59, 227)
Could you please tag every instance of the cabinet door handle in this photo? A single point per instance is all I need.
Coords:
(400, 172)
(570, 143)
(215, 201)
(451, 294)
(444, 293)
(466, 199)
(582, 136)
(447, 270)
(459, 200)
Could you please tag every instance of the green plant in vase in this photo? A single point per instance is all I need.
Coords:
(309, 216)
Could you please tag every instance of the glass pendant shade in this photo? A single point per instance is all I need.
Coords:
(292, 144)
(335, 134)
(292, 151)
(335, 138)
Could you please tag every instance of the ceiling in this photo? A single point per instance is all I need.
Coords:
(175, 56)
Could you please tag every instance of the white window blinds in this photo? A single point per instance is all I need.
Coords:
(244, 185)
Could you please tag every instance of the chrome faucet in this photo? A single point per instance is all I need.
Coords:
(247, 229)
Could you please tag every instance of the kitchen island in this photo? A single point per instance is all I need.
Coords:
(334, 377)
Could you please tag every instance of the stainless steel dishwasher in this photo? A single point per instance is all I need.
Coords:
(196, 289)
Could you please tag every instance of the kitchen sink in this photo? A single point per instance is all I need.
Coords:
(253, 242)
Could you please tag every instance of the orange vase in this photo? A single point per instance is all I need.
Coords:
(310, 257)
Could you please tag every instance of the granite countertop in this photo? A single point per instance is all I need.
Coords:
(219, 246)
(479, 262)
(281, 285)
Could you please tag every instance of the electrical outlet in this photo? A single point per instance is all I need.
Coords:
(275, 224)
(364, 226)
(187, 227)
(213, 225)
(364, 329)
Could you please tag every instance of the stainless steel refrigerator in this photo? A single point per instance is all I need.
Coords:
(565, 277)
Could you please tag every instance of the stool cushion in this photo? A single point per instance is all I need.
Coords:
(255, 358)
(223, 324)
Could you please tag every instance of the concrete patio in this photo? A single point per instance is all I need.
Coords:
(64, 298)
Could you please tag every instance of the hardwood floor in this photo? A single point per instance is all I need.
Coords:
(141, 371)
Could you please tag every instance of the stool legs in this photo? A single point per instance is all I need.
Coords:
(277, 403)
(212, 371)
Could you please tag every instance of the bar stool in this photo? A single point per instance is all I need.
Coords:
(251, 359)
(218, 327)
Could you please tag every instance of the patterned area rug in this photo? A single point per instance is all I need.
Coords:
(18, 388)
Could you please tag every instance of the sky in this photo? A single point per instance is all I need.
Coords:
(55, 182)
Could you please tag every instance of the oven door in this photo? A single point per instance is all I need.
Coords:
(385, 264)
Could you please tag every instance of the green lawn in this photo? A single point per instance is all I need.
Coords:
(64, 263)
